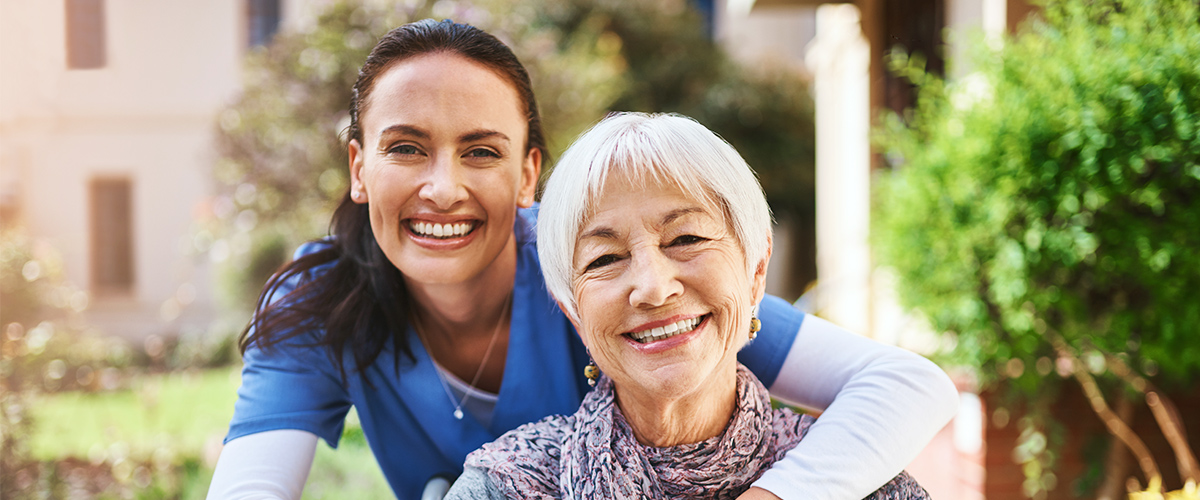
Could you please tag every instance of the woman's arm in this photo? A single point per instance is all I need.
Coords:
(881, 406)
(271, 465)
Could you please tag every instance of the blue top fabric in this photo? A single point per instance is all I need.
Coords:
(405, 414)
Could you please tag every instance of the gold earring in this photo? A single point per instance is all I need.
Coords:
(592, 372)
(755, 326)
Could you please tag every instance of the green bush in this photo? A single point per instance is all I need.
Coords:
(47, 356)
(1046, 208)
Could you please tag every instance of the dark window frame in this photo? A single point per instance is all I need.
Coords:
(263, 18)
(86, 34)
(111, 228)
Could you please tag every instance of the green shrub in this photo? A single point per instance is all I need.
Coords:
(1047, 207)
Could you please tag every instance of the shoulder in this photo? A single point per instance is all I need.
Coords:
(778, 315)
(474, 483)
(790, 427)
(533, 444)
(292, 277)
(311, 247)
(525, 225)
(766, 354)
(525, 460)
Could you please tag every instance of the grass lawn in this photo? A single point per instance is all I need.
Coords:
(174, 414)
(181, 418)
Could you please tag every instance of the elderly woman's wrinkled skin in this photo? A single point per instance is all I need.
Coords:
(650, 256)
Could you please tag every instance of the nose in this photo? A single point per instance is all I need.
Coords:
(443, 183)
(653, 278)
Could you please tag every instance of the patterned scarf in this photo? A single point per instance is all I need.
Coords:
(593, 454)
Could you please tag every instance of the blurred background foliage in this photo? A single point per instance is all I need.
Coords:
(1044, 210)
(65, 389)
(282, 166)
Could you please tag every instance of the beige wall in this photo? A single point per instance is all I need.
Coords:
(147, 115)
(776, 33)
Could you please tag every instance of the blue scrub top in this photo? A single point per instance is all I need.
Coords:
(407, 418)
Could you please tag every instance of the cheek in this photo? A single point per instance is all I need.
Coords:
(387, 187)
(595, 314)
(379, 225)
(725, 285)
(506, 176)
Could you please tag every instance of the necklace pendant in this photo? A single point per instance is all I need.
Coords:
(458, 413)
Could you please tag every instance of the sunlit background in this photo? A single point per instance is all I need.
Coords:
(158, 160)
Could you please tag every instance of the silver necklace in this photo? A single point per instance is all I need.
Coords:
(458, 413)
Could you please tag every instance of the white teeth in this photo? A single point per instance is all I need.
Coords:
(430, 230)
(668, 331)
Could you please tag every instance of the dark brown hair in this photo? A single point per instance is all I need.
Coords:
(357, 296)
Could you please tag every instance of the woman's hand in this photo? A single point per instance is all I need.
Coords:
(757, 493)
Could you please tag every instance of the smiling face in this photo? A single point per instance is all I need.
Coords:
(663, 293)
(443, 166)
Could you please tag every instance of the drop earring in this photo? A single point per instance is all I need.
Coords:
(755, 326)
(591, 371)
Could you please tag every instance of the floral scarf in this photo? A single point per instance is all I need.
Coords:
(593, 454)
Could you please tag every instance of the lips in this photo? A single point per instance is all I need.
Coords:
(666, 331)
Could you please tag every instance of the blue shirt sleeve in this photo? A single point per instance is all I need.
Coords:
(765, 354)
(291, 385)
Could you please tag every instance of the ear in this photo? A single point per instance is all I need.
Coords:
(578, 330)
(530, 169)
(759, 286)
(355, 153)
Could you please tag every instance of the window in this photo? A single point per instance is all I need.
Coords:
(915, 26)
(262, 21)
(85, 34)
(112, 235)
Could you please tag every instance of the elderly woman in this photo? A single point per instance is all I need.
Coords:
(654, 238)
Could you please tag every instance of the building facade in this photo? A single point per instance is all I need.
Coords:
(107, 111)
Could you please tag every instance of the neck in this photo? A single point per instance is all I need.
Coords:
(690, 418)
(468, 309)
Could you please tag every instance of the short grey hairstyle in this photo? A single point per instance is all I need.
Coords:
(665, 148)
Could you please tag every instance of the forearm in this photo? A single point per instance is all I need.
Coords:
(881, 406)
(270, 465)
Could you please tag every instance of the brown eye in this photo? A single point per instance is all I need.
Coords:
(602, 261)
(482, 153)
(404, 149)
(687, 239)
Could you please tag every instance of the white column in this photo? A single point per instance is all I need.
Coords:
(966, 19)
(839, 60)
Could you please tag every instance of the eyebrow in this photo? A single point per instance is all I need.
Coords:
(673, 215)
(477, 135)
(600, 232)
(419, 133)
(404, 130)
(608, 233)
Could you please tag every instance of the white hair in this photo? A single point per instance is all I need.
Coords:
(667, 148)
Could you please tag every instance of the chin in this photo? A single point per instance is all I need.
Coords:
(437, 272)
(673, 382)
